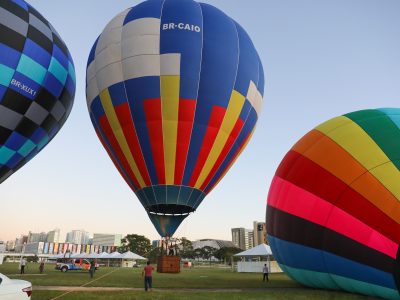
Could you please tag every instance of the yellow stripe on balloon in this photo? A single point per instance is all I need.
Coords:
(363, 148)
(108, 107)
(232, 114)
(170, 114)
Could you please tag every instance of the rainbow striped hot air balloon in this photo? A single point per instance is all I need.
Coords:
(174, 90)
(333, 212)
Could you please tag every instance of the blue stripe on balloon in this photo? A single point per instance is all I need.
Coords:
(261, 78)
(186, 42)
(302, 257)
(92, 53)
(15, 141)
(26, 148)
(21, 3)
(97, 108)
(138, 90)
(60, 56)
(248, 63)
(58, 70)
(52, 84)
(117, 93)
(37, 53)
(14, 160)
(217, 79)
(147, 9)
(70, 85)
(9, 56)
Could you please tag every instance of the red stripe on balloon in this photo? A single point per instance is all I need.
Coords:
(213, 127)
(111, 155)
(106, 128)
(309, 176)
(152, 109)
(187, 110)
(228, 146)
(290, 198)
(232, 160)
(125, 119)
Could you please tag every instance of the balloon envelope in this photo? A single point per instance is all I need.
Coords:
(174, 90)
(333, 214)
(37, 84)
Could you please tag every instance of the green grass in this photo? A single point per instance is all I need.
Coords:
(175, 286)
(267, 294)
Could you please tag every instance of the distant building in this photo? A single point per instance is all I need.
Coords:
(19, 243)
(36, 237)
(77, 237)
(107, 239)
(10, 245)
(53, 236)
(259, 233)
(2, 247)
(156, 244)
(242, 238)
(218, 244)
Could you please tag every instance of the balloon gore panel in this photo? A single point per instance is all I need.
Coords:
(37, 84)
(333, 208)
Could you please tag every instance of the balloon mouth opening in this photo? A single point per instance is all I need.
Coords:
(169, 210)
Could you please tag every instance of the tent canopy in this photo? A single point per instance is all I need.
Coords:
(131, 255)
(260, 250)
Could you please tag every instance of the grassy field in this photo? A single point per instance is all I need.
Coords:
(169, 286)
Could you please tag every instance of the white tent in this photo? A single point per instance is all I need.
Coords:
(103, 255)
(115, 255)
(260, 250)
(131, 255)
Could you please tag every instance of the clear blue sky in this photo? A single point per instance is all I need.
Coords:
(321, 59)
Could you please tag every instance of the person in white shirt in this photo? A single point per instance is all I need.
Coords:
(23, 264)
(265, 272)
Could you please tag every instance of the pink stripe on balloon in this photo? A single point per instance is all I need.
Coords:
(290, 198)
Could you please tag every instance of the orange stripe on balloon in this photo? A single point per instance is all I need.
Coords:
(325, 152)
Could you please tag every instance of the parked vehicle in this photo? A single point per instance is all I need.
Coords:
(14, 289)
(72, 265)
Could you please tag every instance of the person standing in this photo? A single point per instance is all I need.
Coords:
(265, 272)
(92, 268)
(147, 273)
(23, 264)
(41, 267)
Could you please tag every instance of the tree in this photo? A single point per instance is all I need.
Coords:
(154, 254)
(138, 244)
(226, 253)
(208, 252)
(186, 248)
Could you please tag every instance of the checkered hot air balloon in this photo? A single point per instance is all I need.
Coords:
(333, 214)
(37, 84)
(174, 90)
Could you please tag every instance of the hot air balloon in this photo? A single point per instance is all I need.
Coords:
(37, 84)
(333, 213)
(174, 90)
